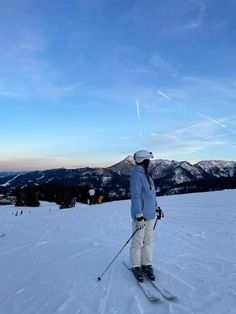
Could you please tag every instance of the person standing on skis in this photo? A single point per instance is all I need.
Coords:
(144, 210)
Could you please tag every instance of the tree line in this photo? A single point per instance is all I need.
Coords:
(63, 195)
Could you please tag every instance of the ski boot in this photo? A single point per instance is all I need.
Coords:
(137, 271)
(148, 270)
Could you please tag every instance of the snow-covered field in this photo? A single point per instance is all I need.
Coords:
(50, 259)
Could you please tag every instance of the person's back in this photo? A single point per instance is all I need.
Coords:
(92, 193)
(143, 213)
(143, 194)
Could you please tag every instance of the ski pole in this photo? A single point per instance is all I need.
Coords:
(155, 223)
(160, 215)
(100, 277)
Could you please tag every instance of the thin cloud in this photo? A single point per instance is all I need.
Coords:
(164, 95)
(63, 91)
(138, 117)
(11, 94)
(160, 62)
(138, 110)
(183, 144)
(225, 87)
(190, 139)
(212, 120)
(199, 10)
(216, 122)
(32, 40)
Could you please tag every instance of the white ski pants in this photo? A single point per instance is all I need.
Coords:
(141, 245)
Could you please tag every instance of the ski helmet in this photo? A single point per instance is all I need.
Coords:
(141, 155)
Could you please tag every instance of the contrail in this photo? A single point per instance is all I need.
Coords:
(138, 109)
(212, 120)
(164, 95)
(138, 117)
(216, 122)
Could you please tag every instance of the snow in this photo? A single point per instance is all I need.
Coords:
(106, 179)
(50, 259)
(8, 182)
(40, 178)
(49, 180)
(179, 177)
(218, 168)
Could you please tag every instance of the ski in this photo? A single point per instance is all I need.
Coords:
(147, 289)
(164, 292)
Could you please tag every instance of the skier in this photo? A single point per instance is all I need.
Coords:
(144, 209)
(91, 198)
(100, 195)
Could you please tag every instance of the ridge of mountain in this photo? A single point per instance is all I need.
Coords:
(167, 175)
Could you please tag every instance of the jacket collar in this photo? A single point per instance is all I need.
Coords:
(140, 168)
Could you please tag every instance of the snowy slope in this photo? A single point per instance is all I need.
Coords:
(50, 259)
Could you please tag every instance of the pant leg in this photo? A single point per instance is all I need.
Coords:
(147, 249)
(136, 247)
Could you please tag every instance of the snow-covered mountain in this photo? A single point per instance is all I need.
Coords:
(218, 168)
(167, 174)
(181, 171)
(51, 258)
(123, 167)
(177, 172)
(91, 176)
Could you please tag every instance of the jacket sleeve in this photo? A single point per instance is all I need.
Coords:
(135, 189)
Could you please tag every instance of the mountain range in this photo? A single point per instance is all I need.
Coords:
(170, 176)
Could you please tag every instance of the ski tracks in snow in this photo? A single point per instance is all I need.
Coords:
(50, 261)
(122, 295)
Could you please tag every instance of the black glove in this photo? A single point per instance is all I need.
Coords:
(140, 222)
(159, 212)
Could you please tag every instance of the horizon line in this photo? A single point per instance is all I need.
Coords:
(11, 170)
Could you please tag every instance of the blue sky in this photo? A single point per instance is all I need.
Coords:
(86, 83)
